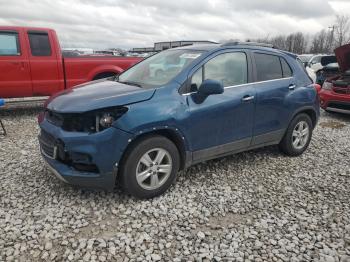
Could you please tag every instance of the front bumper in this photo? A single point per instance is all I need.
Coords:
(104, 151)
(334, 102)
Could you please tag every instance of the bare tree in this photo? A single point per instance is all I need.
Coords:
(342, 30)
(322, 42)
(295, 42)
(299, 43)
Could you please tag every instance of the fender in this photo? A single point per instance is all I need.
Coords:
(159, 129)
(303, 109)
(103, 69)
(175, 134)
(304, 103)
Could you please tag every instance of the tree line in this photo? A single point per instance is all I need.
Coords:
(325, 41)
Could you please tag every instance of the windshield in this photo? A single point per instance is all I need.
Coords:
(305, 58)
(159, 69)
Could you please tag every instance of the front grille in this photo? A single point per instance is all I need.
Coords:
(72, 122)
(341, 90)
(341, 86)
(47, 144)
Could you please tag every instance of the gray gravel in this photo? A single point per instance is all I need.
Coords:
(253, 206)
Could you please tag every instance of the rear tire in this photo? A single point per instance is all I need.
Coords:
(150, 167)
(298, 135)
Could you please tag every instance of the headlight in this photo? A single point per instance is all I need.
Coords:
(93, 121)
(106, 120)
(106, 117)
(327, 85)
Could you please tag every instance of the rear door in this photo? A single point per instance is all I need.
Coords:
(44, 64)
(274, 82)
(15, 78)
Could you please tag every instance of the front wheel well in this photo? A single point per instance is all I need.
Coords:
(167, 133)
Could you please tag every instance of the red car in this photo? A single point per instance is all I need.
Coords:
(31, 64)
(335, 92)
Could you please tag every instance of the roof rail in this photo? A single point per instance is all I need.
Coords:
(248, 43)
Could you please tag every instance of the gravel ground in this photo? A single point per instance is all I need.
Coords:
(253, 206)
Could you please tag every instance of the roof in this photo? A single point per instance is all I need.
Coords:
(24, 27)
(237, 45)
(186, 41)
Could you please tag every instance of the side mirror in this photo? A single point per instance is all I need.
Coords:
(210, 87)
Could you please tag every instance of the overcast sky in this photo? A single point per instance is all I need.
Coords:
(139, 23)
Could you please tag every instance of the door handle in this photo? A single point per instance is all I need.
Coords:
(292, 87)
(247, 98)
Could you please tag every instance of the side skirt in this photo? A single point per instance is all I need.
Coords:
(272, 138)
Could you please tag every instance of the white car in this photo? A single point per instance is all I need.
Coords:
(311, 73)
(315, 62)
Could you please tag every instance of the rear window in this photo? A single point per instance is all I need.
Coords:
(268, 67)
(9, 44)
(286, 70)
(39, 44)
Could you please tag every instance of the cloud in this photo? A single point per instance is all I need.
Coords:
(296, 8)
(137, 23)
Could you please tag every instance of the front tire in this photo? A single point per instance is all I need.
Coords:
(150, 167)
(298, 135)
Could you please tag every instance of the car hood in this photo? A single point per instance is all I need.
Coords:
(96, 95)
(343, 57)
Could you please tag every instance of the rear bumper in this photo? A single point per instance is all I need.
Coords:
(335, 102)
(68, 154)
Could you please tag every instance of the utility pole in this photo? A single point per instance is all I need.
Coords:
(331, 37)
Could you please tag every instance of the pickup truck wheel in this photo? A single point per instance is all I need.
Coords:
(298, 136)
(150, 167)
(104, 75)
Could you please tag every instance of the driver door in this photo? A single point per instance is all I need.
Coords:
(222, 123)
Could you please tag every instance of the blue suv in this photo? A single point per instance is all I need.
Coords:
(141, 128)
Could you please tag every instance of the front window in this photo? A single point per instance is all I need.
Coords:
(305, 58)
(230, 69)
(159, 69)
(316, 59)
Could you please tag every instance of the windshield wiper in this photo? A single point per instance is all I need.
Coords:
(130, 83)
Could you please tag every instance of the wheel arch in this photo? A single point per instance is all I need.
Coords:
(172, 134)
(104, 69)
(310, 111)
(103, 75)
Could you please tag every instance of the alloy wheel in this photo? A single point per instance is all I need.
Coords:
(154, 169)
(300, 135)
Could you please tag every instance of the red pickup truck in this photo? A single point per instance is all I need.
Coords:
(31, 64)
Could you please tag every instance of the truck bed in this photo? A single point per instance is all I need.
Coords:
(81, 69)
